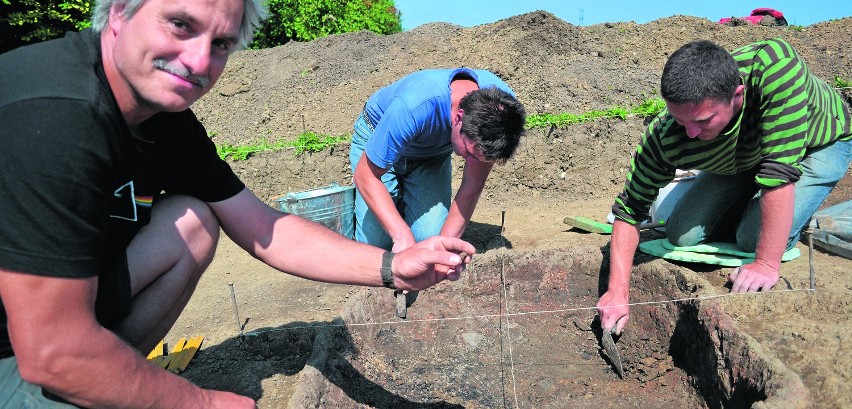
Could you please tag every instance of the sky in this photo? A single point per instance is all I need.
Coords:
(468, 13)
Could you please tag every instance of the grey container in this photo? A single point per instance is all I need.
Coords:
(332, 206)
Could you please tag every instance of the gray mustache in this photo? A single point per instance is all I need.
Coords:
(181, 71)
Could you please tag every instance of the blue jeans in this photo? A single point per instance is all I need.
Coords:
(727, 208)
(420, 189)
(17, 393)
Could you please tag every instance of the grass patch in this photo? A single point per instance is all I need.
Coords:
(650, 107)
(305, 142)
(312, 142)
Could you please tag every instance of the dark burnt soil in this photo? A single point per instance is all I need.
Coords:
(532, 344)
(554, 67)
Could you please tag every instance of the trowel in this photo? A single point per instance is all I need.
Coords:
(612, 351)
(404, 299)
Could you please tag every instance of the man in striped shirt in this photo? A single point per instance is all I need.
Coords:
(772, 141)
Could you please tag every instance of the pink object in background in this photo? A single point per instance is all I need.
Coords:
(764, 15)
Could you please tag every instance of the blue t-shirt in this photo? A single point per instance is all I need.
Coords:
(412, 115)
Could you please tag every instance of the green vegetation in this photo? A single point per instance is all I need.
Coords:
(313, 142)
(306, 20)
(310, 142)
(648, 108)
(30, 21)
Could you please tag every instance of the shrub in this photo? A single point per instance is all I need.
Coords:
(30, 21)
(306, 20)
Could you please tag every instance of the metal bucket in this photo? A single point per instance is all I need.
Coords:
(332, 206)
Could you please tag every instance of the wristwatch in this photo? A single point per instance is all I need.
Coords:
(387, 273)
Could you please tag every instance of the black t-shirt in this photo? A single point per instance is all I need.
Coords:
(75, 184)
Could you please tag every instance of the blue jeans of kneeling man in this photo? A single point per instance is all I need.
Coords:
(727, 208)
(420, 188)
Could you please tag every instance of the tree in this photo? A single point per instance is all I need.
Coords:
(306, 20)
(29, 21)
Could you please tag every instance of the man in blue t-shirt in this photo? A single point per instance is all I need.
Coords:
(401, 153)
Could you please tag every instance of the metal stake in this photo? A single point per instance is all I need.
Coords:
(236, 312)
(811, 258)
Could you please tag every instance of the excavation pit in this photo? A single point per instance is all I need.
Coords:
(534, 343)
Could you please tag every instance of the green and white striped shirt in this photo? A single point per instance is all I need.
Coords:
(785, 112)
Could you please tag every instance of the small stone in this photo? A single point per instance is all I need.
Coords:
(473, 338)
(582, 326)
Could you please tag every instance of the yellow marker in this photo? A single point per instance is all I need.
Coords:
(179, 345)
(162, 361)
(188, 349)
(158, 351)
(182, 352)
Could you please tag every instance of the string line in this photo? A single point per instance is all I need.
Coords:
(506, 309)
(518, 314)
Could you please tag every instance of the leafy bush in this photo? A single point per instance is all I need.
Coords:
(30, 21)
(306, 20)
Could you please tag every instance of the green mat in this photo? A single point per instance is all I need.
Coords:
(723, 254)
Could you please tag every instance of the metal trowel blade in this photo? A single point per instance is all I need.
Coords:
(612, 352)
(401, 304)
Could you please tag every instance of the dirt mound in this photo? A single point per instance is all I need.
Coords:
(554, 67)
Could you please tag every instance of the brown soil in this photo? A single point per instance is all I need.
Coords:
(554, 67)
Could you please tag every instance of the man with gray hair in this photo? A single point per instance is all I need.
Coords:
(113, 199)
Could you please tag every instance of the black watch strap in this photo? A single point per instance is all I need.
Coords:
(387, 273)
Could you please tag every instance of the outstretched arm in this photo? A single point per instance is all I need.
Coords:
(60, 346)
(461, 210)
(612, 306)
(306, 249)
(367, 178)
(776, 214)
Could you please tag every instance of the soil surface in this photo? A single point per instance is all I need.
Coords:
(554, 67)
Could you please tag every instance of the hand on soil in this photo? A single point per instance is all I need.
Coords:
(614, 311)
(753, 277)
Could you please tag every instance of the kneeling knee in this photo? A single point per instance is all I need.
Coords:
(195, 221)
(683, 238)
